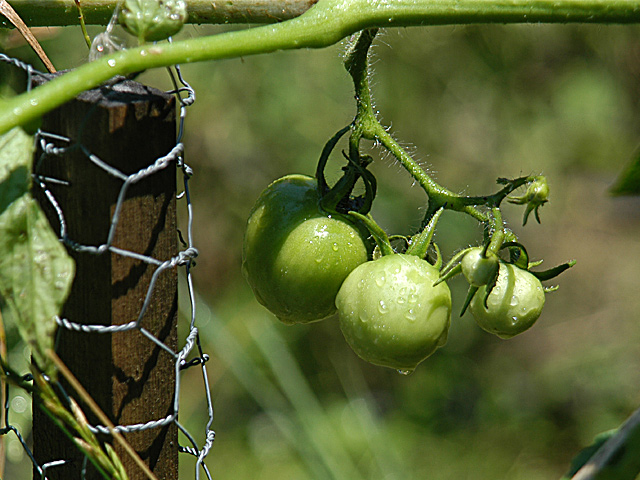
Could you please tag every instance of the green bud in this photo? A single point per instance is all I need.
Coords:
(153, 20)
(537, 194)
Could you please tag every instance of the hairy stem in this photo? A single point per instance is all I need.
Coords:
(326, 23)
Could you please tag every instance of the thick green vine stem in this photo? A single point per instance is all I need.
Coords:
(325, 23)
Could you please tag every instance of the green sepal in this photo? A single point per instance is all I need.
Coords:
(420, 243)
(378, 233)
(452, 272)
(472, 291)
(490, 286)
(324, 158)
(553, 272)
(453, 263)
(518, 255)
(338, 198)
(438, 263)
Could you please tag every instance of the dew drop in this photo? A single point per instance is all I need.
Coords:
(381, 280)
(401, 300)
(382, 308)
(319, 259)
(514, 320)
(111, 62)
(514, 301)
(335, 247)
(405, 372)
(413, 298)
(410, 315)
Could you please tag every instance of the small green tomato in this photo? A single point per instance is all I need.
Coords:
(391, 314)
(153, 20)
(296, 255)
(514, 304)
(479, 269)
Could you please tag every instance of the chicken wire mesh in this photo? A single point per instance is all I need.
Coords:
(190, 354)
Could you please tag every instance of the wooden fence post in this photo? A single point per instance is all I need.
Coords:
(132, 379)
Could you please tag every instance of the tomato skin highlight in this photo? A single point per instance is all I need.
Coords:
(514, 304)
(296, 255)
(391, 314)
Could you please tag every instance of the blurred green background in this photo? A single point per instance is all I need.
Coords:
(471, 104)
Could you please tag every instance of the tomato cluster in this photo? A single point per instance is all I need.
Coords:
(306, 260)
(308, 250)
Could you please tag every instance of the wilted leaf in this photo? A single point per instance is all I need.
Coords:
(35, 271)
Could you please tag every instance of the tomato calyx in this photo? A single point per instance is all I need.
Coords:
(520, 258)
(339, 198)
(537, 194)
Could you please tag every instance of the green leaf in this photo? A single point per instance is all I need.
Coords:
(628, 183)
(613, 455)
(35, 271)
(586, 453)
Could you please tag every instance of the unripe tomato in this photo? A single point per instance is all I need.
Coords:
(514, 304)
(477, 269)
(391, 314)
(295, 255)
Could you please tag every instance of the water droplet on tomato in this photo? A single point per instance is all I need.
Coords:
(405, 372)
(335, 247)
(382, 307)
(380, 281)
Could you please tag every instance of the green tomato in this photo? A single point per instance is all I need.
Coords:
(153, 20)
(296, 255)
(477, 269)
(514, 304)
(391, 314)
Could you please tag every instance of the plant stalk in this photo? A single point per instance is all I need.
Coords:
(98, 12)
(326, 23)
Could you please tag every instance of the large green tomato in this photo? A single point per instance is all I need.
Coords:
(390, 312)
(514, 304)
(295, 255)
